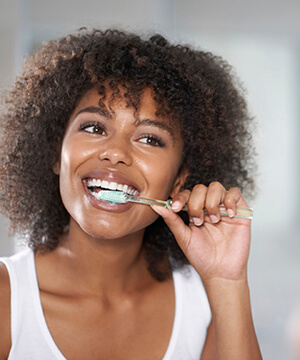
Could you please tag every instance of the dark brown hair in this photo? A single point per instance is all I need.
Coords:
(194, 87)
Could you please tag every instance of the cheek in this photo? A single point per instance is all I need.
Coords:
(74, 152)
(162, 173)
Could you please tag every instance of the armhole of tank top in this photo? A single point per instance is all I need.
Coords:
(203, 296)
(39, 312)
(13, 300)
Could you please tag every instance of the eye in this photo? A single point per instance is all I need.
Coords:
(93, 128)
(152, 140)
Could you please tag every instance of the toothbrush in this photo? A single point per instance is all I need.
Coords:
(119, 197)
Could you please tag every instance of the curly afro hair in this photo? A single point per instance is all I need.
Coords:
(196, 88)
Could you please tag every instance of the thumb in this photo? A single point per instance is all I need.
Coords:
(176, 225)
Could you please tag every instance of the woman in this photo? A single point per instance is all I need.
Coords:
(109, 110)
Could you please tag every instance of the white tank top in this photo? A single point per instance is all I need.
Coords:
(32, 340)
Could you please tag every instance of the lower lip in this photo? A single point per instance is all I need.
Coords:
(105, 205)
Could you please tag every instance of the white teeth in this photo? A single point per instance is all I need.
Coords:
(105, 184)
(111, 186)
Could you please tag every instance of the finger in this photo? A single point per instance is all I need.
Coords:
(196, 204)
(233, 199)
(176, 225)
(215, 196)
(180, 199)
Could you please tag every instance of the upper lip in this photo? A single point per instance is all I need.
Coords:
(112, 176)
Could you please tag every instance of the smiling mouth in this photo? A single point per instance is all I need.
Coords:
(96, 185)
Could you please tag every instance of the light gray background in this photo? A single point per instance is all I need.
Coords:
(261, 38)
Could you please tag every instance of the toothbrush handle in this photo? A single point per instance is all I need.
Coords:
(147, 201)
(241, 212)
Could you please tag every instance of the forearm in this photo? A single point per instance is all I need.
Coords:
(234, 332)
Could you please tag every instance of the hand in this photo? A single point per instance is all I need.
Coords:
(217, 247)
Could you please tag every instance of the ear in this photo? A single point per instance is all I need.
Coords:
(56, 158)
(179, 182)
(56, 168)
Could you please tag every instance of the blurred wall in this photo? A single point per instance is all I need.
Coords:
(261, 39)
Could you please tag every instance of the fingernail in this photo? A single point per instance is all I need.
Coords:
(197, 221)
(230, 212)
(176, 205)
(214, 219)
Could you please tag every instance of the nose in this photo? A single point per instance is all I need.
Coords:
(116, 150)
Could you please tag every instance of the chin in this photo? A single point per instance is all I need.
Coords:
(109, 226)
(106, 231)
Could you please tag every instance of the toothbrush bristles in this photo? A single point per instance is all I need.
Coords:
(117, 197)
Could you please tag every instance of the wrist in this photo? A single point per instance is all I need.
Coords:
(234, 280)
(224, 294)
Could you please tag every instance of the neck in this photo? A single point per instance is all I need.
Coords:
(105, 264)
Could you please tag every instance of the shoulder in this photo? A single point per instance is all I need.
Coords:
(4, 312)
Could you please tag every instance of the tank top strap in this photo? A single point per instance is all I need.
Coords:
(31, 339)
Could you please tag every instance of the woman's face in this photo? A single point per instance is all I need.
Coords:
(114, 148)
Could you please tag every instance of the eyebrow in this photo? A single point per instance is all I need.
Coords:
(138, 121)
(156, 123)
(95, 110)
